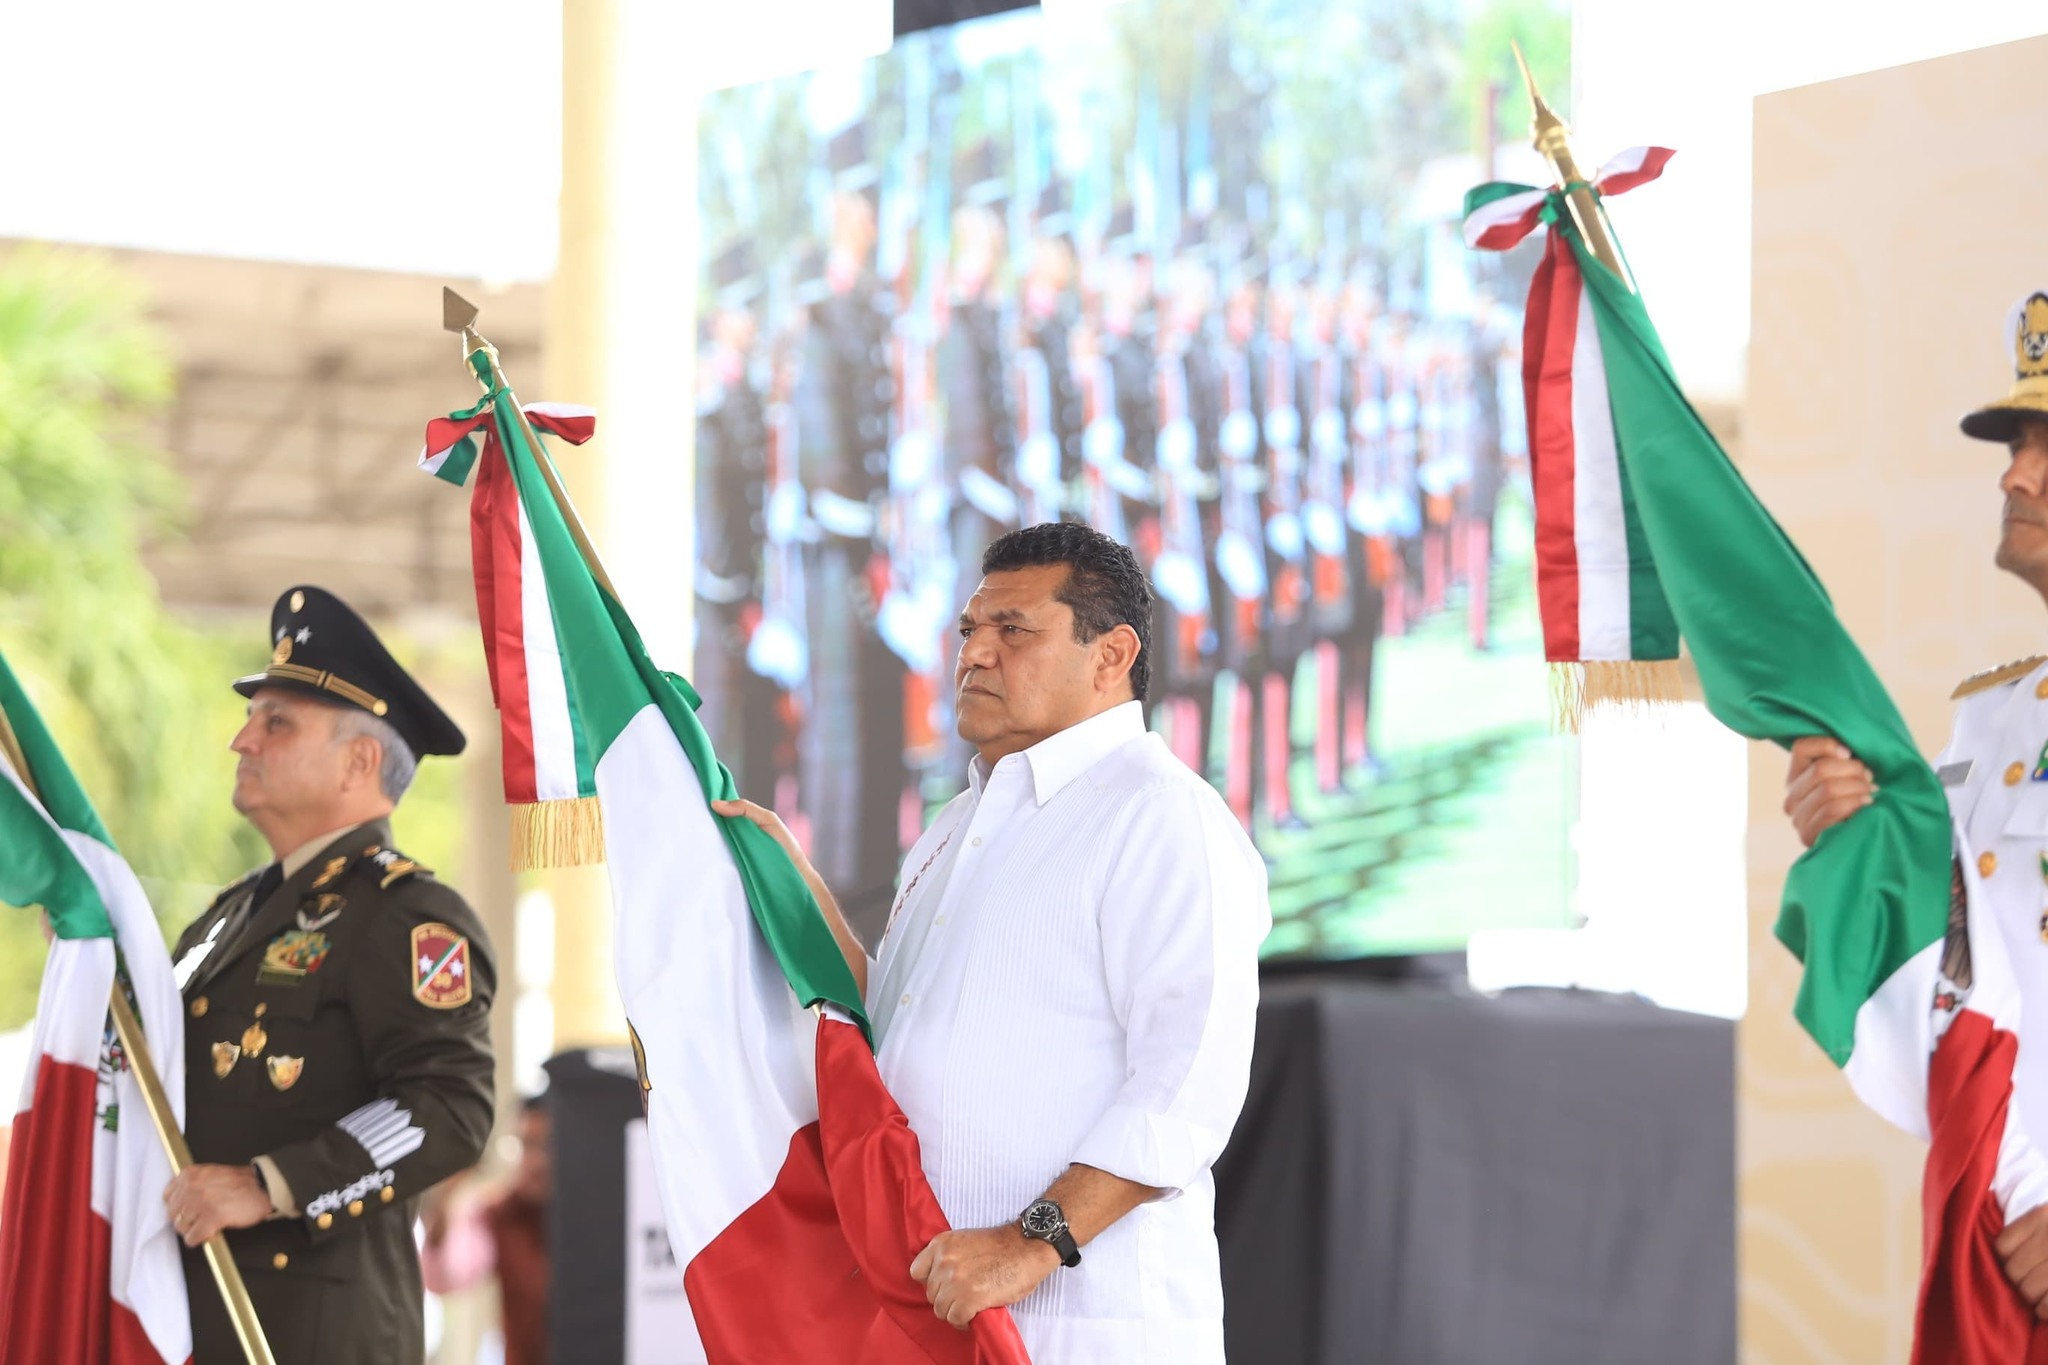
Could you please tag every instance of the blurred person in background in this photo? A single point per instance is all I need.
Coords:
(850, 751)
(481, 1229)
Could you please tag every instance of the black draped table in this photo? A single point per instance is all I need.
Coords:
(1425, 1176)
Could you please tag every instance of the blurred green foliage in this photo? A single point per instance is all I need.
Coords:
(136, 698)
(1544, 30)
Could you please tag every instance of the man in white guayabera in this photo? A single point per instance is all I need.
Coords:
(1063, 999)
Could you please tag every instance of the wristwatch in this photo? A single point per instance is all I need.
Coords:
(1045, 1221)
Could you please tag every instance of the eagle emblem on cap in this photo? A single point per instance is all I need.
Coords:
(2031, 336)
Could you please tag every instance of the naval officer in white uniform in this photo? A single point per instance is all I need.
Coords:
(1995, 768)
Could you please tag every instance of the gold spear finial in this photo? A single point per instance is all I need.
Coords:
(458, 315)
(457, 312)
(1552, 137)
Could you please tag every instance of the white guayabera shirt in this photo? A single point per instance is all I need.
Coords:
(1070, 975)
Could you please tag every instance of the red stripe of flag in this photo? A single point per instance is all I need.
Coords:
(55, 1260)
(496, 546)
(819, 1267)
(1549, 335)
(1969, 1311)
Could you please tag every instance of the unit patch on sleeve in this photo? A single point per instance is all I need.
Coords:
(440, 967)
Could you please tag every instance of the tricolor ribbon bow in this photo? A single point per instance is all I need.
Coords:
(1500, 214)
(453, 446)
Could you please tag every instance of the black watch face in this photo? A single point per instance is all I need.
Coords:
(1043, 1219)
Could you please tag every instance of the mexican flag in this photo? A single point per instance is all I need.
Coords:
(791, 1182)
(89, 1267)
(1902, 987)
(1607, 628)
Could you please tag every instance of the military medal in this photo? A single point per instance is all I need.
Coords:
(225, 1055)
(440, 967)
(284, 1071)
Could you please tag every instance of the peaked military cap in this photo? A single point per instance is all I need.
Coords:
(1120, 234)
(978, 176)
(1053, 216)
(321, 648)
(846, 157)
(2026, 330)
(734, 274)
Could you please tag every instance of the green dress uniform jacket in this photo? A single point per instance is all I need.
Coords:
(340, 1028)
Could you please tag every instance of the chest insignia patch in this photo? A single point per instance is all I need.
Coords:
(292, 956)
(440, 967)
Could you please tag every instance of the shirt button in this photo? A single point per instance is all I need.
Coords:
(2014, 773)
(976, 841)
(940, 920)
(1987, 863)
(904, 1001)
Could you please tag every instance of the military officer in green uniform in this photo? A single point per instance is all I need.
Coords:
(337, 1052)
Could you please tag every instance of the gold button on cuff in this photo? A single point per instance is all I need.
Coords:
(324, 1221)
(2013, 773)
(387, 1194)
(1987, 863)
(355, 1210)
(280, 1261)
(199, 1008)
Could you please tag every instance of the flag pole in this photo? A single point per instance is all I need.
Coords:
(459, 315)
(1553, 139)
(135, 1049)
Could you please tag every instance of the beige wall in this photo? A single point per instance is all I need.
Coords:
(1896, 217)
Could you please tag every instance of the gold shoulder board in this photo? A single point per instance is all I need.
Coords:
(390, 867)
(1992, 677)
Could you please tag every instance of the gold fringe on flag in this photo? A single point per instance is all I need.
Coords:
(1637, 685)
(566, 833)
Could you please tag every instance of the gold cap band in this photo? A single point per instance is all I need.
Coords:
(327, 682)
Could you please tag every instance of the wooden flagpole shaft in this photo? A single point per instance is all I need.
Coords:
(135, 1048)
(226, 1274)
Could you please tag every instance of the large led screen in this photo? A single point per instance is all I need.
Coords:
(1191, 271)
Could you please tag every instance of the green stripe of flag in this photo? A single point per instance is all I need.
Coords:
(36, 866)
(610, 680)
(1775, 663)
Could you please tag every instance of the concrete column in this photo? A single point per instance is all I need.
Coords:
(621, 324)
